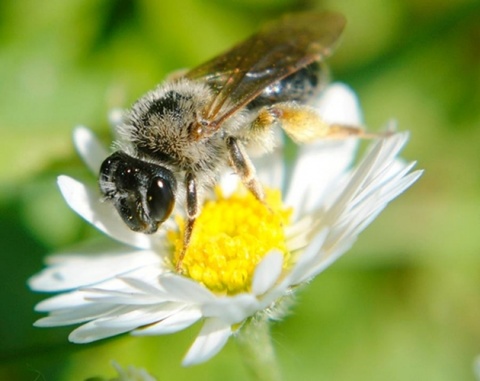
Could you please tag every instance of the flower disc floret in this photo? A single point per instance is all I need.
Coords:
(231, 237)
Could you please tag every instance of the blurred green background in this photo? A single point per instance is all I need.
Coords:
(404, 304)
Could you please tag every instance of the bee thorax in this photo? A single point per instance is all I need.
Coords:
(161, 126)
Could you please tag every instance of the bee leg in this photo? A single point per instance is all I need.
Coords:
(304, 124)
(242, 165)
(192, 214)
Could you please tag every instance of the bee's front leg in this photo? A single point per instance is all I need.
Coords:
(242, 165)
(192, 213)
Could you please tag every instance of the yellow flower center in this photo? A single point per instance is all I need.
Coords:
(231, 236)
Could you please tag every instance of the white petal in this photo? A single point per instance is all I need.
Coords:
(316, 172)
(177, 320)
(118, 320)
(229, 183)
(270, 170)
(385, 180)
(70, 271)
(184, 289)
(209, 342)
(270, 167)
(66, 300)
(232, 309)
(306, 259)
(123, 289)
(370, 206)
(87, 203)
(319, 165)
(91, 331)
(298, 234)
(122, 297)
(146, 284)
(324, 259)
(267, 272)
(138, 316)
(402, 185)
(367, 174)
(339, 104)
(88, 312)
(89, 148)
(377, 180)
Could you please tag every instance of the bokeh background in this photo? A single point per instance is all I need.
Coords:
(404, 304)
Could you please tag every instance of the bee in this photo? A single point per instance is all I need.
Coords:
(177, 139)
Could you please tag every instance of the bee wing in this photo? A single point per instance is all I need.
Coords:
(276, 51)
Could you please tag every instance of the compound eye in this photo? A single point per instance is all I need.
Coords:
(160, 199)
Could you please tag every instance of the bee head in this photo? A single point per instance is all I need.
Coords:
(143, 193)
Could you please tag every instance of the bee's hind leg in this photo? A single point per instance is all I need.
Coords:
(304, 124)
(242, 165)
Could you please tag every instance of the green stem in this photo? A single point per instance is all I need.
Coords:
(255, 344)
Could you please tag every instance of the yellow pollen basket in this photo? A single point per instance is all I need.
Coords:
(231, 236)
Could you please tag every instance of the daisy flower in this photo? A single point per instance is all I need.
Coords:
(245, 261)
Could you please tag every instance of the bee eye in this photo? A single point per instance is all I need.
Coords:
(160, 199)
(143, 193)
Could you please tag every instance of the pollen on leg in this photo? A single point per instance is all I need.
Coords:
(231, 236)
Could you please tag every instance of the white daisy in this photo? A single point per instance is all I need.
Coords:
(132, 287)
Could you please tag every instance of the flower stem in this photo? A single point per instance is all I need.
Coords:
(255, 344)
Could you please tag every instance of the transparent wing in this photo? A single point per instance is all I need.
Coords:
(276, 51)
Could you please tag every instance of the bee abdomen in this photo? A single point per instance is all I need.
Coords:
(300, 86)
